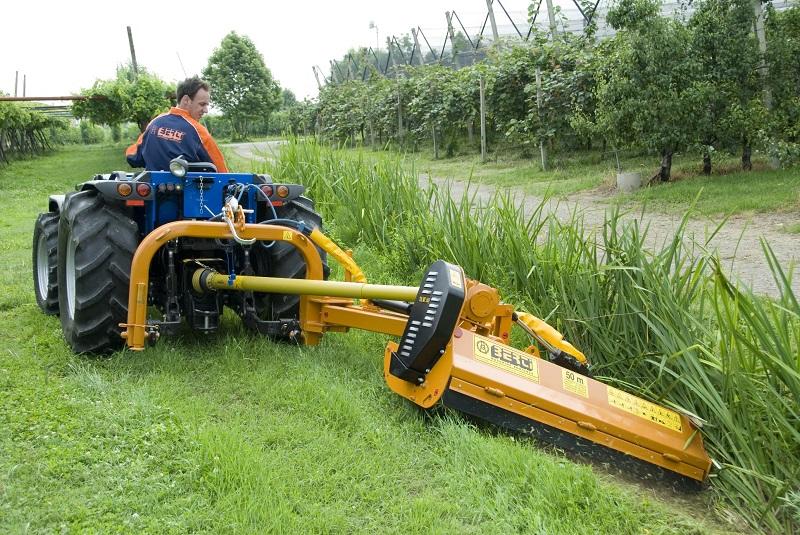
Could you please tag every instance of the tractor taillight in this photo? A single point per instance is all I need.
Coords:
(124, 189)
(267, 190)
(283, 191)
(143, 189)
(162, 188)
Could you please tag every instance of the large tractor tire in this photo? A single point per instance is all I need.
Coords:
(96, 243)
(45, 262)
(282, 259)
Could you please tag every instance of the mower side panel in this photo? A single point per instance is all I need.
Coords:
(507, 381)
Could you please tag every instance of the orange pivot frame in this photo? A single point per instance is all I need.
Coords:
(136, 329)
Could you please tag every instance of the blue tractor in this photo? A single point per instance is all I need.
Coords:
(84, 244)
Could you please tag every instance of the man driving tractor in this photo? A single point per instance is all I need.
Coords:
(178, 133)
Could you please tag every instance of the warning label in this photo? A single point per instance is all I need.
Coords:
(287, 235)
(575, 383)
(455, 278)
(644, 409)
(506, 358)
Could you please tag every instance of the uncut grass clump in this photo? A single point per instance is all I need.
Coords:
(667, 324)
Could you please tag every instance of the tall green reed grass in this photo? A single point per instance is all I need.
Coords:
(667, 325)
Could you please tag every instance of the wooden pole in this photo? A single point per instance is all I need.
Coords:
(333, 73)
(483, 121)
(542, 148)
(495, 35)
(552, 16)
(399, 115)
(452, 38)
(416, 44)
(133, 54)
(314, 68)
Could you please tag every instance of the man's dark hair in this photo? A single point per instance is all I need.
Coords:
(190, 87)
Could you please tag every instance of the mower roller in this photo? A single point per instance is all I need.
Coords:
(206, 250)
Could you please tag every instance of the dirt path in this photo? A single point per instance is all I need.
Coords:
(256, 149)
(738, 242)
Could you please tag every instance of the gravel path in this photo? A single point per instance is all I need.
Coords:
(738, 242)
(256, 149)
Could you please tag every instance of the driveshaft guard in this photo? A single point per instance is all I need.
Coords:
(431, 322)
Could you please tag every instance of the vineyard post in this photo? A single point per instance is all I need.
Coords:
(399, 115)
(416, 44)
(133, 54)
(456, 63)
(542, 148)
(491, 18)
(319, 85)
(552, 16)
(483, 121)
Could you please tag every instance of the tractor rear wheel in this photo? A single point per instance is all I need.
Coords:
(282, 259)
(45, 262)
(96, 243)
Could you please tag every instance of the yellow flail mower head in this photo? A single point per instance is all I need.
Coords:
(453, 349)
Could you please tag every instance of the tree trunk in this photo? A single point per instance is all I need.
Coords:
(470, 136)
(747, 165)
(666, 165)
(3, 146)
(707, 161)
(603, 151)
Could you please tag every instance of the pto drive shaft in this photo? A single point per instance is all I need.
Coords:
(205, 279)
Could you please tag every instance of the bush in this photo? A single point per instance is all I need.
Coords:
(91, 134)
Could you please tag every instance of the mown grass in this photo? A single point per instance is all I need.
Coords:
(665, 324)
(727, 191)
(231, 433)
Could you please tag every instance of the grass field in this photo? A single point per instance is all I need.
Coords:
(231, 433)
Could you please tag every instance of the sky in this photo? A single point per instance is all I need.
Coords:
(62, 47)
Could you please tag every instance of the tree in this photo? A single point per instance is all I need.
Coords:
(125, 98)
(241, 84)
(783, 58)
(730, 111)
(646, 82)
(287, 98)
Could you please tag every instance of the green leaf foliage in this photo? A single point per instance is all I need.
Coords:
(24, 131)
(128, 97)
(241, 84)
(783, 64)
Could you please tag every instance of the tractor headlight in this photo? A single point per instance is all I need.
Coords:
(178, 167)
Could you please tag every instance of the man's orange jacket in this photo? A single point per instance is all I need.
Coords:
(171, 135)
